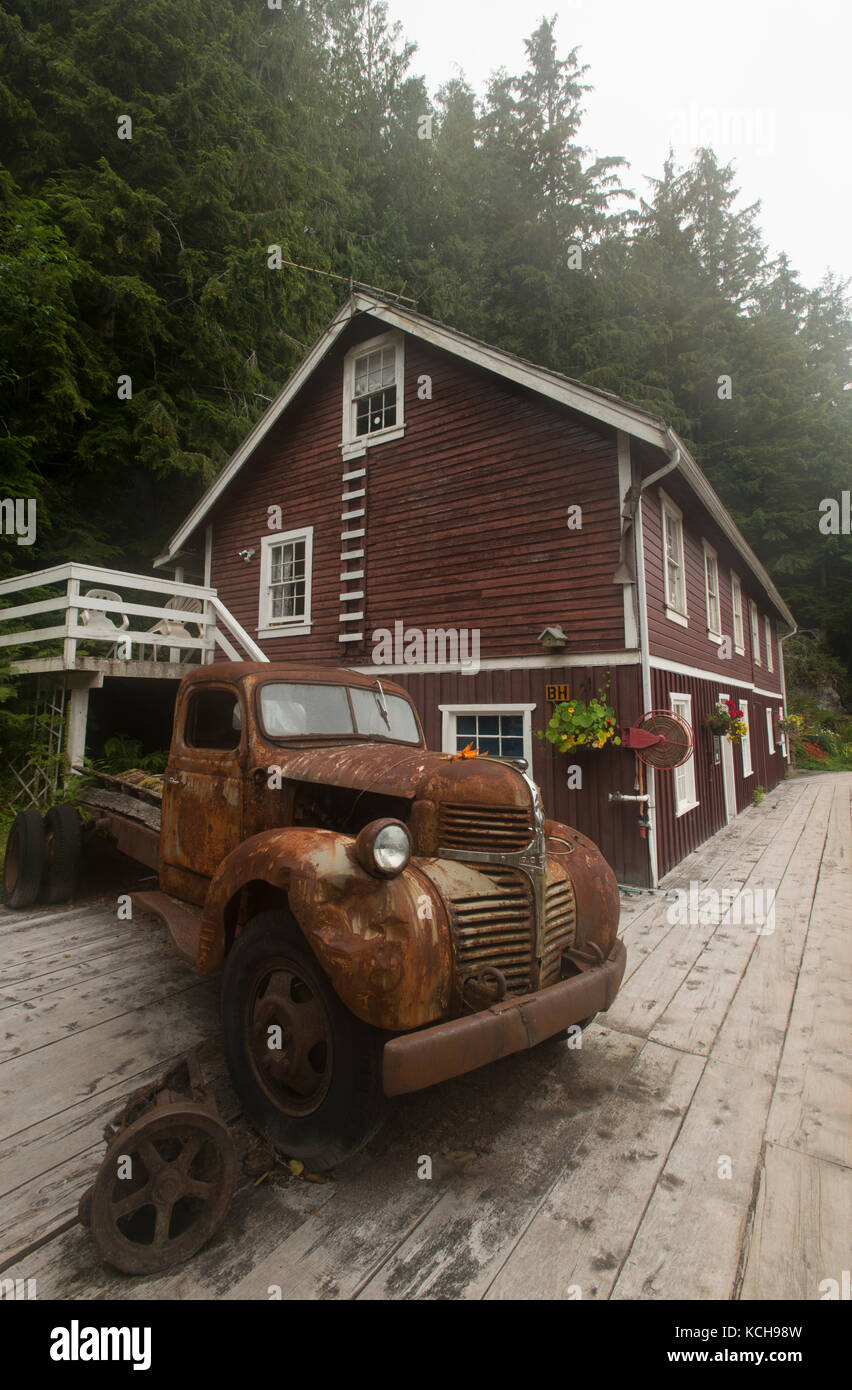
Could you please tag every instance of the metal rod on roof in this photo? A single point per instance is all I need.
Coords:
(347, 280)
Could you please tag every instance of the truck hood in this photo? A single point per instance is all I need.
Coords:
(392, 770)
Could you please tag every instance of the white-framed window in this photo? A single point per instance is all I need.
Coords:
(767, 632)
(499, 730)
(285, 583)
(711, 585)
(737, 611)
(373, 374)
(684, 776)
(748, 767)
(674, 573)
(782, 737)
(755, 632)
(770, 731)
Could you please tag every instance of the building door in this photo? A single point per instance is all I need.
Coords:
(728, 785)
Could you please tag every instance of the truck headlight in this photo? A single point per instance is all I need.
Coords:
(383, 847)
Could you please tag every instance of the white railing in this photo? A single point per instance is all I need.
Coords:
(110, 620)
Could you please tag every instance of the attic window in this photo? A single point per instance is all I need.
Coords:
(372, 393)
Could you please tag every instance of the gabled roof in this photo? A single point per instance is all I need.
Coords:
(589, 400)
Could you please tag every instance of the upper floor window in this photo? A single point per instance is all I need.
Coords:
(673, 566)
(755, 632)
(373, 392)
(711, 583)
(767, 632)
(737, 607)
(285, 583)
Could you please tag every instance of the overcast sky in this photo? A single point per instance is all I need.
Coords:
(767, 83)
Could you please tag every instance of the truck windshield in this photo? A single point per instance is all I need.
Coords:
(369, 715)
(292, 710)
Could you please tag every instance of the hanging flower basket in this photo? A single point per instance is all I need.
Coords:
(727, 719)
(581, 724)
(719, 721)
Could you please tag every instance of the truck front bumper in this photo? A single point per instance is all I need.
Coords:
(420, 1059)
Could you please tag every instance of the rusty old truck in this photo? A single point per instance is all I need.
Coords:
(385, 917)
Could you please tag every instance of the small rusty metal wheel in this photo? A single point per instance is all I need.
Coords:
(289, 1037)
(160, 1208)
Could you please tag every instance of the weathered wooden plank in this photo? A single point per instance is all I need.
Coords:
(688, 1243)
(801, 1228)
(810, 1107)
(461, 1242)
(51, 1080)
(755, 1026)
(788, 869)
(580, 1236)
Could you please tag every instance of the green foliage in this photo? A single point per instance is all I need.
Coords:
(757, 796)
(579, 723)
(299, 127)
(122, 754)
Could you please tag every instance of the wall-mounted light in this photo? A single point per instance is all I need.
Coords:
(246, 555)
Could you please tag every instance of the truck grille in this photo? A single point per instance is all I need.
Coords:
(503, 828)
(497, 929)
(560, 930)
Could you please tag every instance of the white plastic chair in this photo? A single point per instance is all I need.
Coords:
(171, 627)
(102, 624)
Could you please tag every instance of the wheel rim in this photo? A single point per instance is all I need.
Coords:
(296, 1074)
(181, 1177)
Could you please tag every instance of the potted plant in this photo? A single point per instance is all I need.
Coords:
(718, 721)
(580, 723)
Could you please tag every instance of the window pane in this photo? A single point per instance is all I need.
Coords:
(370, 720)
(288, 709)
(489, 745)
(466, 725)
(512, 724)
(513, 747)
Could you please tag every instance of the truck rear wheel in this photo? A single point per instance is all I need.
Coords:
(63, 853)
(23, 865)
(308, 1072)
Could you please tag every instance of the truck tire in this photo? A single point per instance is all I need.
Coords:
(63, 834)
(314, 1087)
(23, 864)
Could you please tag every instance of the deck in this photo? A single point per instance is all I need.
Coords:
(698, 1145)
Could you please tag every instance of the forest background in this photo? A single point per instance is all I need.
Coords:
(302, 126)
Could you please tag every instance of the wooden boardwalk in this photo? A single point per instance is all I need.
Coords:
(698, 1145)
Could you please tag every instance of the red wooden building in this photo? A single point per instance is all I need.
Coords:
(418, 503)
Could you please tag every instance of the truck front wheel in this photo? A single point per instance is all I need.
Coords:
(309, 1074)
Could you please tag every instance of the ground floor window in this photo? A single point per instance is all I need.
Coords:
(684, 776)
(748, 767)
(499, 730)
(770, 731)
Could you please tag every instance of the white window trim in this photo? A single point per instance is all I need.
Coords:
(677, 615)
(745, 741)
(770, 731)
(354, 445)
(448, 723)
(754, 626)
(714, 633)
(683, 808)
(288, 627)
(767, 634)
(737, 588)
(781, 734)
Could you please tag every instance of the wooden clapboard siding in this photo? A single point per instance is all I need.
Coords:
(614, 828)
(678, 835)
(466, 515)
(690, 645)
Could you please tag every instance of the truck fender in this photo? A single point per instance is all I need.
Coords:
(384, 944)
